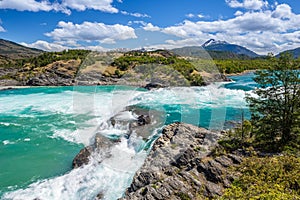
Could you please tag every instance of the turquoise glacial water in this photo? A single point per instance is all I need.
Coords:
(43, 128)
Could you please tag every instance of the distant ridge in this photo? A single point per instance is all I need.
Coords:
(294, 52)
(12, 50)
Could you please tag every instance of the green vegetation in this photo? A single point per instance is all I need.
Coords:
(229, 66)
(274, 127)
(46, 58)
(183, 196)
(133, 59)
(273, 178)
(275, 111)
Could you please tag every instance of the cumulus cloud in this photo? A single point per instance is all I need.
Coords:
(64, 6)
(150, 27)
(82, 5)
(32, 5)
(88, 31)
(283, 11)
(262, 30)
(47, 46)
(247, 4)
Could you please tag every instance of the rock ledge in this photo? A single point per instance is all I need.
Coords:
(179, 166)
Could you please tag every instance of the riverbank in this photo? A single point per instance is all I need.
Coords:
(13, 87)
(241, 73)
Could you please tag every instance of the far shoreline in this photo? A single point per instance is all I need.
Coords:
(12, 87)
(241, 73)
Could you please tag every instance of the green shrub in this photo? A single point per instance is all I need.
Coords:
(275, 177)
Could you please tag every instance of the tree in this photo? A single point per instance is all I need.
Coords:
(275, 104)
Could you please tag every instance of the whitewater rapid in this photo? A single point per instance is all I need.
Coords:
(112, 176)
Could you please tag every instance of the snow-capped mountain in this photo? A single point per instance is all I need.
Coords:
(213, 42)
(217, 45)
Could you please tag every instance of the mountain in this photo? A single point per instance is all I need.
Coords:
(201, 52)
(216, 45)
(11, 50)
(294, 52)
(211, 42)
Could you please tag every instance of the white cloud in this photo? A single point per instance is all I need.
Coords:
(200, 16)
(137, 22)
(82, 5)
(64, 6)
(46, 46)
(88, 31)
(32, 5)
(238, 13)
(247, 4)
(2, 29)
(150, 27)
(190, 15)
(283, 11)
(262, 31)
(135, 14)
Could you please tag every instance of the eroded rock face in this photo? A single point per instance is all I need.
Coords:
(179, 166)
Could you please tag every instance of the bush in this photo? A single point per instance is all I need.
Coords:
(274, 177)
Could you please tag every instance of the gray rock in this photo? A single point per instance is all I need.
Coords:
(143, 126)
(82, 157)
(101, 145)
(179, 166)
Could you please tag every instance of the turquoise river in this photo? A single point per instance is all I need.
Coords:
(43, 128)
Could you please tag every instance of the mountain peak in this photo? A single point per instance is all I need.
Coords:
(213, 42)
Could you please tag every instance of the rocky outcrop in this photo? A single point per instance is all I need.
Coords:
(142, 125)
(57, 73)
(179, 166)
(101, 145)
(150, 86)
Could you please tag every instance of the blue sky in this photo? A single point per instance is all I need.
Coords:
(53, 25)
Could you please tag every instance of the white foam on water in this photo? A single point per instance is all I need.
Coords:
(7, 142)
(111, 178)
(211, 96)
(115, 173)
(5, 123)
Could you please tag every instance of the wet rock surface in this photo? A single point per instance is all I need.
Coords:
(179, 166)
(141, 124)
(101, 145)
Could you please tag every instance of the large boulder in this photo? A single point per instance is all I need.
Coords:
(101, 145)
(179, 166)
(142, 125)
